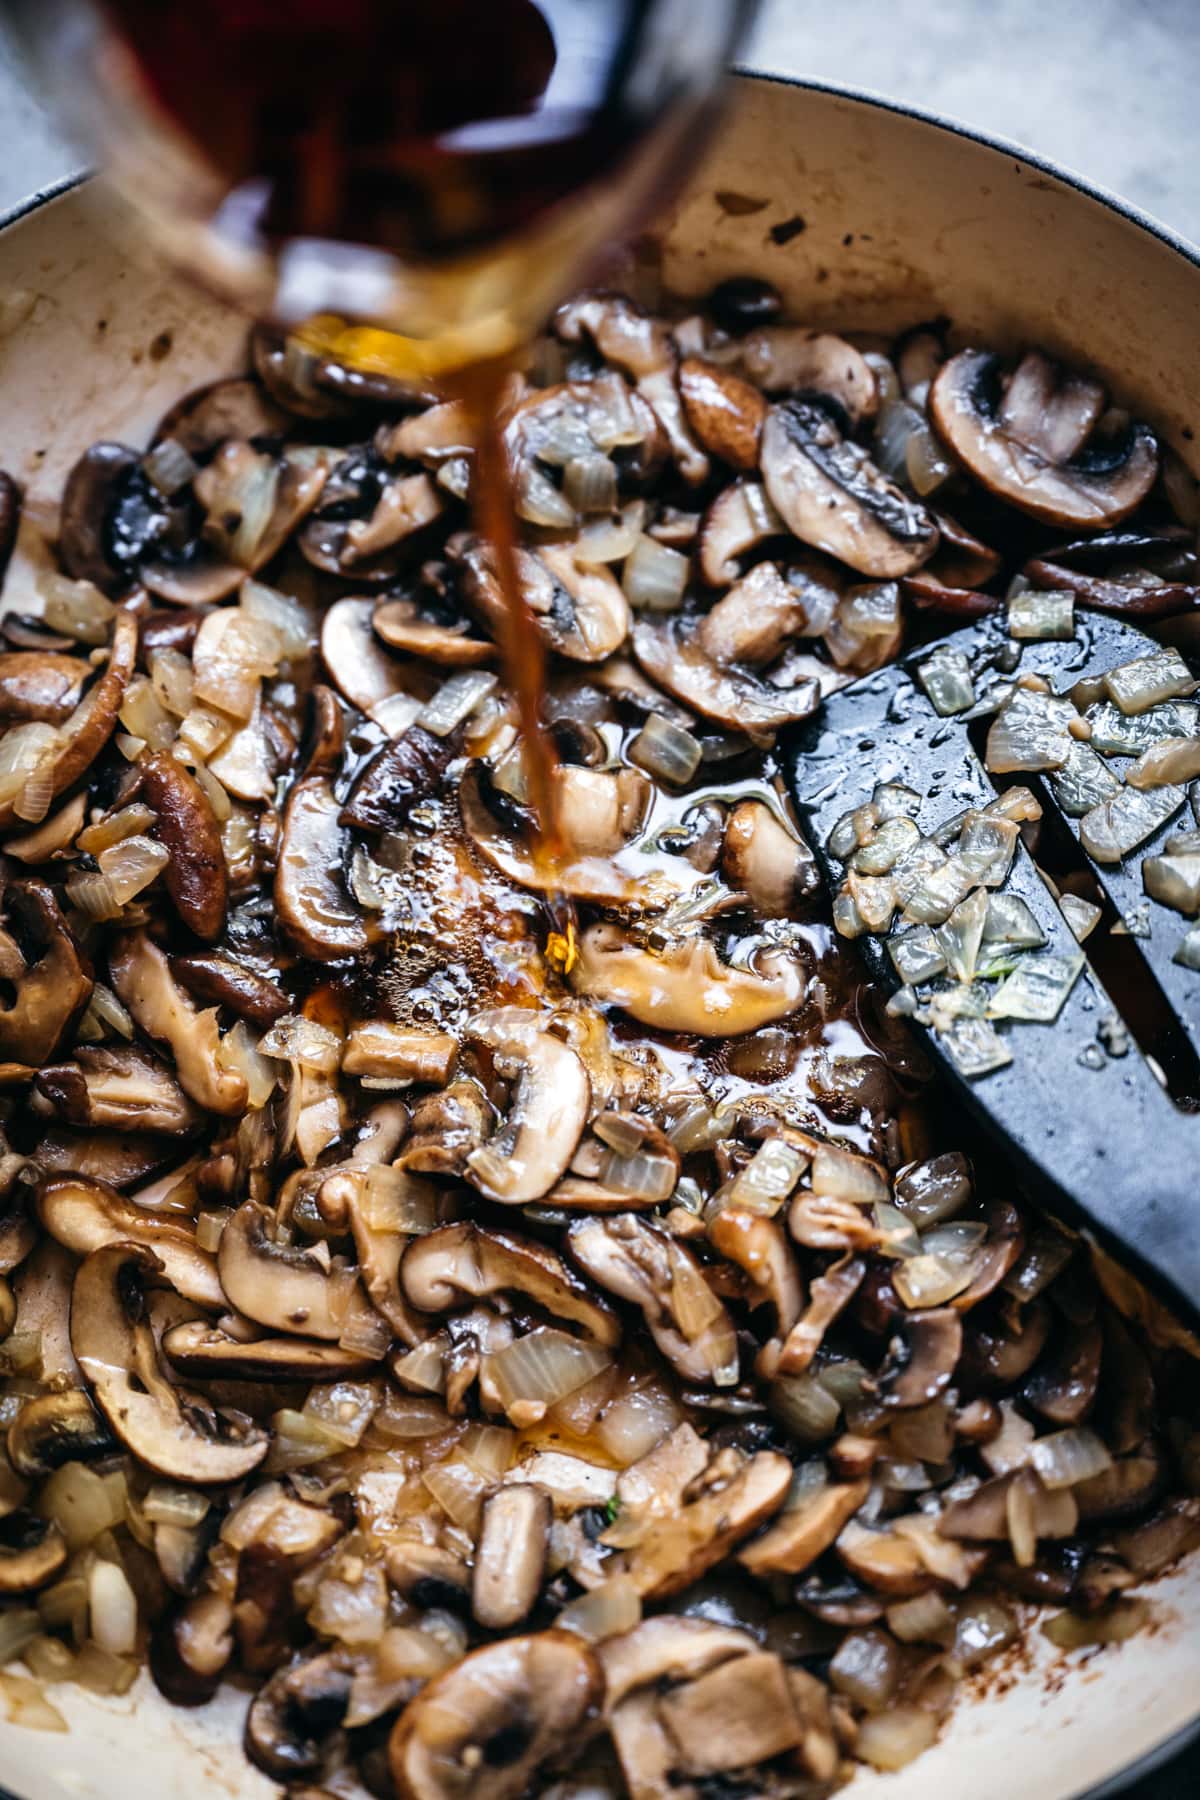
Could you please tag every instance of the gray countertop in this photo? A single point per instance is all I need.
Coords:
(1107, 87)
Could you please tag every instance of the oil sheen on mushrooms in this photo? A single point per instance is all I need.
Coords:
(526, 1360)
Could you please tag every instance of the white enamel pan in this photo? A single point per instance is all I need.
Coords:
(864, 216)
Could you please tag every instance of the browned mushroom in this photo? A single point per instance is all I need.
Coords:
(735, 1496)
(642, 347)
(672, 654)
(311, 903)
(190, 1648)
(141, 978)
(922, 1358)
(83, 1215)
(804, 1532)
(457, 1261)
(175, 1433)
(829, 492)
(688, 988)
(646, 1266)
(403, 626)
(738, 521)
(790, 358)
(32, 1552)
(92, 491)
(122, 1088)
(548, 1112)
(510, 1556)
(724, 411)
(1063, 1388)
(195, 877)
(221, 981)
(53, 1429)
(281, 1286)
(496, 1719)
(40, 685)
(52, 992)
(1031, 440)
(762, 858)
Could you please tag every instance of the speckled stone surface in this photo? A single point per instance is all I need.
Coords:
(1106, 87)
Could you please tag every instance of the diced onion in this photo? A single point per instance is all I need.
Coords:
(144, 716)
(1065, 1457)
(353, 1612)
(131, 865)
(590, 483)
(923, 1619)
(866, 1668)
(842, 1175)
(297, 1039)
(17, 1628)
(455, 701)
(1118, 825)
(612, 539)
(407, 1652)
(666, 750)
(930, 1192)
(394, 1200)
(1030, 732)
(1113, 1624)
(459, 1490)
(282, 614)
(946, 679)
(945, 1267)
(891, 1740)
(804, 1407)
(25, 1704)
(982, 1627)
(343, 1409)
(540, 502)
(23, 749)
(168, 466)
(1170, 760)
(112, 1608)
(1146, 681)
(425, 1367)
(1041, 613)
(166, 1504)
(543, 1367)
(1037, 987)
(654, 576)
(489, 1448)
(613, 1607)
(769, 1177)
(630, 1426)
(76, 608)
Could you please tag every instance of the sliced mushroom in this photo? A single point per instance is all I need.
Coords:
(642, 347)
(175, 1433)
(195, 877)
(93, 488)
(54, 1429)
(32, 1552)
(56, 985)
(753, 622)
(738, 521)
(831, 495)
(547, 1114)
(669, 1648)
(200, 579)
(428, 1575)
(364, 673)
(598, 812)
(831, 1292)
(884, 1560)
(789, 359)
(142, 980)
(121, 1159)
(234, 407)
(295, 1711)
(761, 858)
(39, 685)
(279, 1285)
(380, 1049)
(1132, 1485)
(1032, 443)
(122, 1088)
(255, 500)
(84, 734)
(737, 1715)
(759, 1245)
(446, 1128)
(510, 1556)
(1063, 1388)
(642, 1264)
(465, 1261)
(203, 1351)
(671, 653)
(494, 1721)
(367, 544)
(799, 1536)
(688, 988)
(83, 1215)
(983, 1517)
(431, 436)
(922, 1357)
(724, 412)
(190, 1648)
(404, 627)
(580, 609)
(222, 981)
(311, 903)
(737, 1495)
(379, 1251)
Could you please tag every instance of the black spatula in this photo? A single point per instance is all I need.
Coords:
(1095, 1135)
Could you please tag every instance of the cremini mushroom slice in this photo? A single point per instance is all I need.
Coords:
(796, 1539)
(311, 902)
(494, 1721)
(404, 627)
(369, 546)
(93, 490)
(190, 1648)
(53, 1429)
(84, 1215)
(829, 492)
(642, 1264)
(206, 1353)
(223, 981)
(295, 1711)
(738, 521)
(381, 1050)
(50, 994)
(737, 1715)
(789, 358)
(642, 347)
(668, 1648)
(32, 1553)
(122, 1088)
(579, 608)
(142, 981)
(761, 858)
(760, 1246)
(599, 812)
(279, 1285)
(735, 1495)
(510, 1556)
(672, 654)
(195, 877)
(464, 1261)
(725, 412)
(383, 686)
(175, 1433)
(234, 407)
(40, 685)
(1031, 442)
(547, 1112)
(754, 621)
(688, 988)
